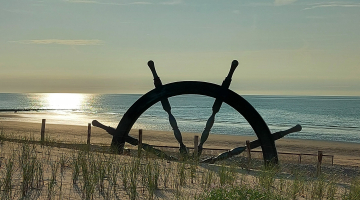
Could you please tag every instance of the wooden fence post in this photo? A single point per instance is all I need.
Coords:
(320, 155)
(89, 134)
(43, 131)
(300, 158)
(196, 141)
(248, 153)
(140, 143)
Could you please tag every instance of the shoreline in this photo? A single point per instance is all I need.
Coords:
(327, 133)
(344, 153)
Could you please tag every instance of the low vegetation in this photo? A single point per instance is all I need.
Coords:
(33, 171)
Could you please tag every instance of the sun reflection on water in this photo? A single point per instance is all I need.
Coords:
(62, 101)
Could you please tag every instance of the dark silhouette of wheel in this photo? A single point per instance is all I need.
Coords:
(201, 88)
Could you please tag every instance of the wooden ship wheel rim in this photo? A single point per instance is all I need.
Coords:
(200, 88)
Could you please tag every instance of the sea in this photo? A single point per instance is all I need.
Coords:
(328, 118)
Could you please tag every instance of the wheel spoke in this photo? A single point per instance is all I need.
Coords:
(215, 108)
(166, 106)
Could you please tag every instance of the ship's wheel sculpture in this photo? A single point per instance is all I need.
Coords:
(221, 93)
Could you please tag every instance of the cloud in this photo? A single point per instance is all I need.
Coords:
(332, 4)
(60, 42)
(176, 2)
(283, 2)
(139, 3)
(81, 1)
(109, 2)
(18, 11)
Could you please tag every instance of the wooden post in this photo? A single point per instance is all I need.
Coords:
(320, 155)
(332, 160)
(196, 141)
(248, 153)
(43, 130)
(140, 143)
(299, 158)
(89, 134)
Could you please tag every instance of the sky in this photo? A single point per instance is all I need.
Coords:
(284, 47)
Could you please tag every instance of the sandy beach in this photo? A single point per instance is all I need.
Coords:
(344, 153)
(346, 160)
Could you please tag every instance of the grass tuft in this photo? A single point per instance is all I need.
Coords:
(237, 192)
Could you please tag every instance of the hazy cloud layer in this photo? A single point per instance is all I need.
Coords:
(175, 2)
(333, 4)
(109, 2)
(283, 2)
(171, 2)
(61, 42)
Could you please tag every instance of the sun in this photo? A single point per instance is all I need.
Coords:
(61, 101)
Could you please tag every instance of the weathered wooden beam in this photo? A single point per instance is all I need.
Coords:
(253, 144)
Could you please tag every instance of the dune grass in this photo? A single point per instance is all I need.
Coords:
(33, 171)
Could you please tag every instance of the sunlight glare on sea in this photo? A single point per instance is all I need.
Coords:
(64, 108)
(64, 101)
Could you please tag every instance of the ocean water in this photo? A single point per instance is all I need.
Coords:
(330, 118)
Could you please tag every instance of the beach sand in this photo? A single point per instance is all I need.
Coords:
(346, 157)
(344, 153)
